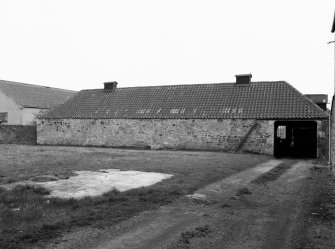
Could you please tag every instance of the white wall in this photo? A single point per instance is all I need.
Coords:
(13, 109)
(29, 115)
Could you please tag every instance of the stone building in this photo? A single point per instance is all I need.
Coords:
(20, 103)
(259, 117)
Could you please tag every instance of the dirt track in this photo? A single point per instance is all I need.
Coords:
(237, 212)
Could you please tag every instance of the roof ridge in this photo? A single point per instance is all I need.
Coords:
(193, 84)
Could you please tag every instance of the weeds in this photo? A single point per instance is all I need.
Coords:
(323, 205)
(225, 205)
(156, 195)
(243, 191)
(28, 216)
(200, 231)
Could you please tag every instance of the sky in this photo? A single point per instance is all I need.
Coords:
(79, 44)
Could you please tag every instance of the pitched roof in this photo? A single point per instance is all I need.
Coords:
(34, 96)
(260, 100)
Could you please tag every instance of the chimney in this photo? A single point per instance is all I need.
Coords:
(110, 85)
(243, 79)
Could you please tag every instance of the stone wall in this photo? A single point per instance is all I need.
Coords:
(187, 134)
(18, 134)
(323, 139)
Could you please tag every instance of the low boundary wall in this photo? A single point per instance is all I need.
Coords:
(18, 134)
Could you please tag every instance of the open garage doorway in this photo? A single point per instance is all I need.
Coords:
(295, 139)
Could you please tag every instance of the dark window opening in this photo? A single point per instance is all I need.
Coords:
(3, 117)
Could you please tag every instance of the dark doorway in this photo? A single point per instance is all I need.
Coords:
(295, 139)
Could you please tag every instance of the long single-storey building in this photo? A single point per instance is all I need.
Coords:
(259, 117)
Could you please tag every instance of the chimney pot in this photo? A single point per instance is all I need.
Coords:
(243, 78)
(110, 85)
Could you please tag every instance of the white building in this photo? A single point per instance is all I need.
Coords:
(20, 102)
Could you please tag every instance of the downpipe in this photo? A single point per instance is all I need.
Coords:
(329, 140)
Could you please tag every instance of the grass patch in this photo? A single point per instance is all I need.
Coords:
(243, 191)
(225, 205)
(323, 204)
(198, 232)
(274, 173)
(29, 218)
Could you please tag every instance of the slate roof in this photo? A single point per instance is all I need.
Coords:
(34, 96)
(257, 100)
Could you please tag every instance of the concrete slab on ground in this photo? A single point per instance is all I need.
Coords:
(94, 183)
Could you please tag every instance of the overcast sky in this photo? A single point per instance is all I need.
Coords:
(79, 44)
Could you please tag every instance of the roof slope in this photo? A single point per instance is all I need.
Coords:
(260, 100)
(34, 96)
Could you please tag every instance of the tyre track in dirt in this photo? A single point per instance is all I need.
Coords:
(267, 223)
(169, 223)
(233, 218)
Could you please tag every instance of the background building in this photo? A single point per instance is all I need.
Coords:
(20, 103)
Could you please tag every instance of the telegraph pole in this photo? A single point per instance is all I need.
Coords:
(333, 31)
(331, 115)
